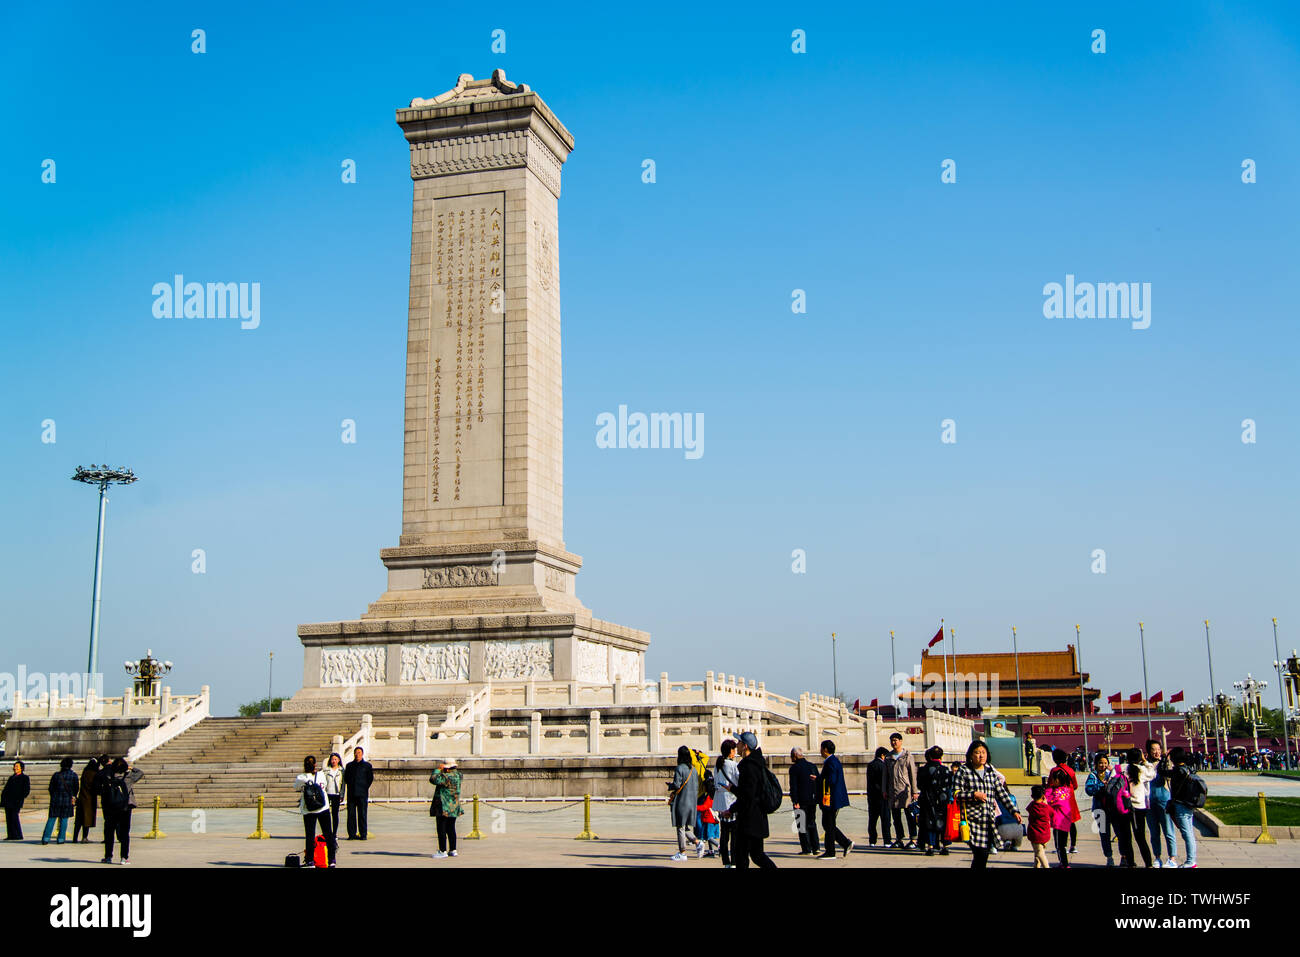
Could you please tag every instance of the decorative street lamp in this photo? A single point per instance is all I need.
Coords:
(1107, 732)
(147, 672)
(1251, 709)
(103, 476)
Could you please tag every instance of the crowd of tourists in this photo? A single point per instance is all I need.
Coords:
(720, 808)
(321, 792)
(104, 785)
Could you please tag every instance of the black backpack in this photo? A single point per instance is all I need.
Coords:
(1194, 790)
(771, 794)
(313, 797)
(116, 794)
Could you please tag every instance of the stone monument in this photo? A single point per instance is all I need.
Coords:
(480, 585)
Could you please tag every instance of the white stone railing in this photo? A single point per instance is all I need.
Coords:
(949, 731)
(184, 712)
(126, 705)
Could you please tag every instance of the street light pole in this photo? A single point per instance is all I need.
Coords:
(270, 665)
(1146, 691)
(103, 477)
(1281, 694)
(835, 671)
(1210, 659)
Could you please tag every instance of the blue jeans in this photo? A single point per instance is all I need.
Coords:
(1159, 823)
(1184, 819)
(49, 829)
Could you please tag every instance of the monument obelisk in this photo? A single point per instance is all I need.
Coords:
(480, 585)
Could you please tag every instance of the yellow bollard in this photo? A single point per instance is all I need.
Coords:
(260, 833)
(586, 834)
(1264, 836)
(474, 834)
(155, 833)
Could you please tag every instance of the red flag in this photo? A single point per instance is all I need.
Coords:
(1115, 698)
(1156, 698)
(1176, 697)
(938, 637)
(1135, 697)
(875, 703)
(856, 702)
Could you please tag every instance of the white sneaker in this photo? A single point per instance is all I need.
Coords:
(452, 854)
(679, 856)
(1171, 863)
(1156, 863)
(699, 850)
(439, 855)
(849, 850)
(1192, 866)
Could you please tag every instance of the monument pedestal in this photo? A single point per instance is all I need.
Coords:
(480, 587)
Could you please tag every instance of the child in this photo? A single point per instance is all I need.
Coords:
(1058, 799)
(1040, 825)
(708, 823)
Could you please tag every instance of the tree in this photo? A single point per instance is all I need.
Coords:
(254, 708)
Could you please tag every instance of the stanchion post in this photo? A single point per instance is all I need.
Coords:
(260, 833)
(586, 834)
(1264, 836)
(475, 834)
(154, 832)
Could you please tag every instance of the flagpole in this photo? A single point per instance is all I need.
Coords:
(1083, 699)
(1214, 702)
(893, 666)
(945, 667)
(1281, 694)
(1015, 650)
(1146, 693)
(956, 698)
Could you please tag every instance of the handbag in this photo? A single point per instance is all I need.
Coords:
(953, 822)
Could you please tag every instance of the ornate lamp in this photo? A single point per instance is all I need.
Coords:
(147, 672)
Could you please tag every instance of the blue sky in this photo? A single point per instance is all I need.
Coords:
(775, 171)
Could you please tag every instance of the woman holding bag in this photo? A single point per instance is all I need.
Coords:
(977, 790)
(446, 806)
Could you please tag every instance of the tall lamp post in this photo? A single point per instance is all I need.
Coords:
(835, 670)
(1210, 659)
(1280, 666)
(1251, 709)
(103, 476)
(270, 664)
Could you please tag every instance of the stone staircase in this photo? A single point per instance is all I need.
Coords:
(227, 762)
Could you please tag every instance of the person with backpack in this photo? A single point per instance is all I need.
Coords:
(446, 806)
(116, 785)
(1140, 775)
(358, 776)
(725, 780)
(314, 807)
(758, 794)
(684, 789)
(804, 798)
(934, 781)
(1187, 792)
(833, 796)
(63, 801)
(1095, 787)
(978, 790)
(12, 798)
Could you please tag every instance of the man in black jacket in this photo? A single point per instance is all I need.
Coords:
(803, 795)
(357, 778)
(751, 819)
(877, 806)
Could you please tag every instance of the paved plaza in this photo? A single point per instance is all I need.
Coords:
(541, 834)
